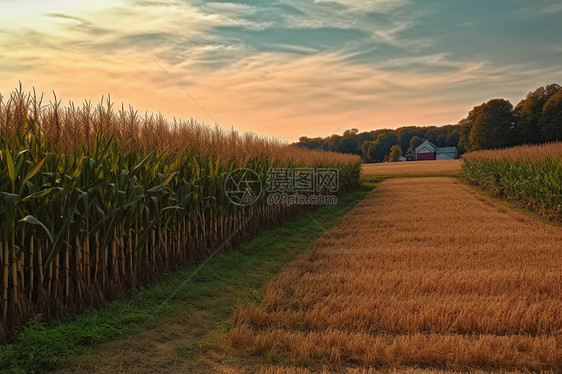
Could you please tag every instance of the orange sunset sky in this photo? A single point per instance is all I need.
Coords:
(285, 68)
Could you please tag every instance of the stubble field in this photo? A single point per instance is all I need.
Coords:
(413, 168)
(424, 275)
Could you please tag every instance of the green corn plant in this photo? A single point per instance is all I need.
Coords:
(94, 202)
(17, 190)
(531, 182)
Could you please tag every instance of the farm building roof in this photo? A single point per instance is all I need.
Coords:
(436, 149)
(426, 143)
(446, 150)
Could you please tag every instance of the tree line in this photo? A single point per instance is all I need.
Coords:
(495, 124)
(375, 146)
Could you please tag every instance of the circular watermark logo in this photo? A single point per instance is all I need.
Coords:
(243, 187)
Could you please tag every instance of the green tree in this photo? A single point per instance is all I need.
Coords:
(432, 134)
(405, 135)
(494, 126)
(349, 145)
(381, 147)
(395, 153)
(350, 132)
(312, 143)
(453, 138)
(415, 142)
(466, 128)
(365, 150)
(529, 113)
(551, 120)
(333, 142)
(464, 135)
(441, 140)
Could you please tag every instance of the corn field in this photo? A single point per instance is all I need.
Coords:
(528, 175)
(97, 201)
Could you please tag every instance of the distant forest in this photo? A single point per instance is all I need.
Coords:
(494, 124)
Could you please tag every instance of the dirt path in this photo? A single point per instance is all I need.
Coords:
(424, 273)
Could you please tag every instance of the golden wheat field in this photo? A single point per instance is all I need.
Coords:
(424, 275)
(435, 167)
(285, 370)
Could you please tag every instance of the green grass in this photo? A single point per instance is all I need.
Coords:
(228, 280)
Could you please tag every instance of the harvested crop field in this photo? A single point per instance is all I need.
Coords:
(413, 168)
(286, 370)
(424, 275)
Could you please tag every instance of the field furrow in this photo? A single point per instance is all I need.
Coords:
(423, 274)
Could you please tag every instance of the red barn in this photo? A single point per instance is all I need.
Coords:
(429, 151)
(426, 151)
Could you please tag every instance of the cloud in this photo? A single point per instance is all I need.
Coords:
(230, 8)
(392, 33)
(381, 6)
(66, 17)
(284, 68)
(278, 95)
(553, 8)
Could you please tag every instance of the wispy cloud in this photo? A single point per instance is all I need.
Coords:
(382, 6)
(553, 8)
(284, 67)
(66, 17)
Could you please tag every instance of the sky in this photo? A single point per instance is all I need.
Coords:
(284, 68)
